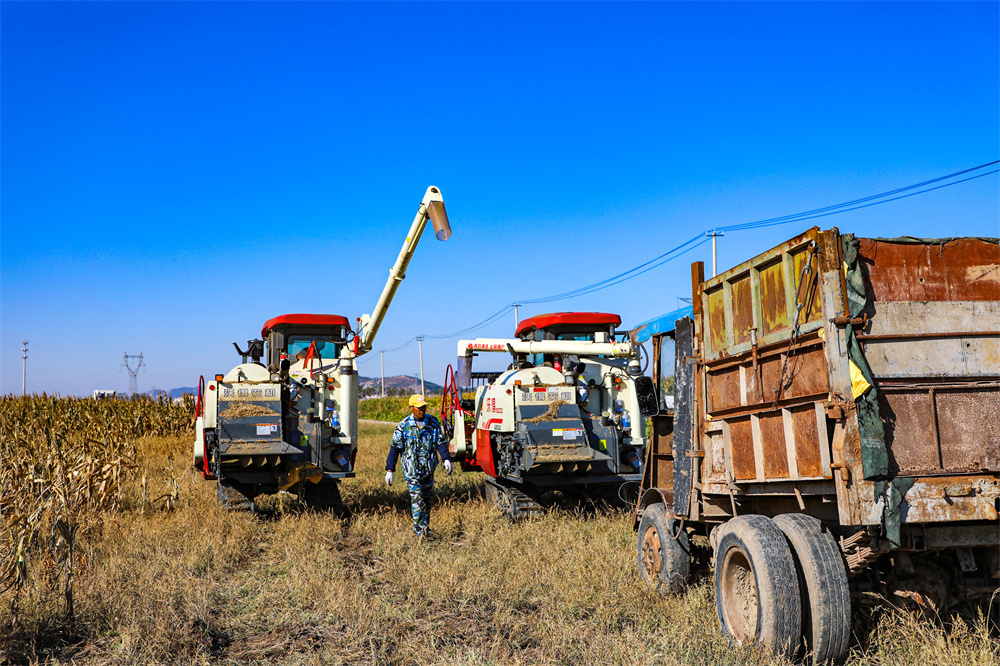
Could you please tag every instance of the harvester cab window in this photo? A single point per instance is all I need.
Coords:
(298, 344)
(582, 337)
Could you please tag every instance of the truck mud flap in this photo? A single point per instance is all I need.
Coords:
(683, 424)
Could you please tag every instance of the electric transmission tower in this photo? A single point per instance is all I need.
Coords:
(133, 381)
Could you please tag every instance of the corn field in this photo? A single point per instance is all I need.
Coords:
(64, 462)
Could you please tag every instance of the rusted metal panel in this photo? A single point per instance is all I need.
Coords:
(969, 355)
(743, 317)
(741, 445)
(911, 432)
(808, 458)
(807, 372)
(964, 269)
(717, 319)
(723, 389)
(775, 458)
(934, 339)
(774, 310)
(936, 429)
(969, 421)
(951, 499)
(806, 285)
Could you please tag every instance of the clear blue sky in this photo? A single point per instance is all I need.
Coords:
(174, 174)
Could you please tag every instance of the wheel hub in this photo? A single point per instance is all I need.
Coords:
(738, 590)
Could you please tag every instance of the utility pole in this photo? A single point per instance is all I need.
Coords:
(24, 364)
(133, 380)
(516, 320)
(714, 233)
(420, 343)
(381, 362)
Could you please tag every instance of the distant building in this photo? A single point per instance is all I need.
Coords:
(103, 393)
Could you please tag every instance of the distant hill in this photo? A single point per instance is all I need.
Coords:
(405, 383)
(173, 394)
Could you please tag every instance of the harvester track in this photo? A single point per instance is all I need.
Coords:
(513, 503)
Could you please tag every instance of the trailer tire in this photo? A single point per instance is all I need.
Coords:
(826, 597)
(664, 561)
(756, 586)
(231, 499)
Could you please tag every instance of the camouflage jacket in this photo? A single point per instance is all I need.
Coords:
(418, 447)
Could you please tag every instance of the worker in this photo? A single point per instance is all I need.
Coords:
(419, 440)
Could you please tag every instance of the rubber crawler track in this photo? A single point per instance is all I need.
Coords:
(515, 503)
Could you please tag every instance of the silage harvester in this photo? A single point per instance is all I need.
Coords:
(569, 412)
(290, 421)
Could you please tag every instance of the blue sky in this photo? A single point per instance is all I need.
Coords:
(174, 174)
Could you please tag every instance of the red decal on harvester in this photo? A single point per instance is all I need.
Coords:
(492, 421)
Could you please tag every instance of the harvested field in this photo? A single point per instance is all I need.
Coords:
(184, 582)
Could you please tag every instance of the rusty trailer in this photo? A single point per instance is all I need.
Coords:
(844, 393)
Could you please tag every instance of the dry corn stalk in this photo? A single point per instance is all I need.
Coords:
(64, 461)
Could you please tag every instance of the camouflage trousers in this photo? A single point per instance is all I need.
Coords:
(421, 493)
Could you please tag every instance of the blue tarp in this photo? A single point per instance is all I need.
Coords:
(662, 324)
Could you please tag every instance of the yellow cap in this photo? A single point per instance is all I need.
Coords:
(417, 400)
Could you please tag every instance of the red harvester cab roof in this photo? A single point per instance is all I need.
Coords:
(303, 320)
(558, 318)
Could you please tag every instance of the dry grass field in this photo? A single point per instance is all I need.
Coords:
(162, 575)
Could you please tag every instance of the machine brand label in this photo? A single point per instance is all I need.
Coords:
(546, 394)
(265, 429)
(253, 392)
(490, 405)
(488, 347)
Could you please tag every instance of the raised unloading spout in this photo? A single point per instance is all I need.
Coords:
(432, 208)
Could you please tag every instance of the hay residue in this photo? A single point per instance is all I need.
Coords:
(550, 415)
(242, 409)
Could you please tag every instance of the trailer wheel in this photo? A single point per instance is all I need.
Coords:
(756, 586)
(664, 562)
(231, 499)
(826, 597)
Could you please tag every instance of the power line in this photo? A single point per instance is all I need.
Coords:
(701, 238)
(807, 216)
